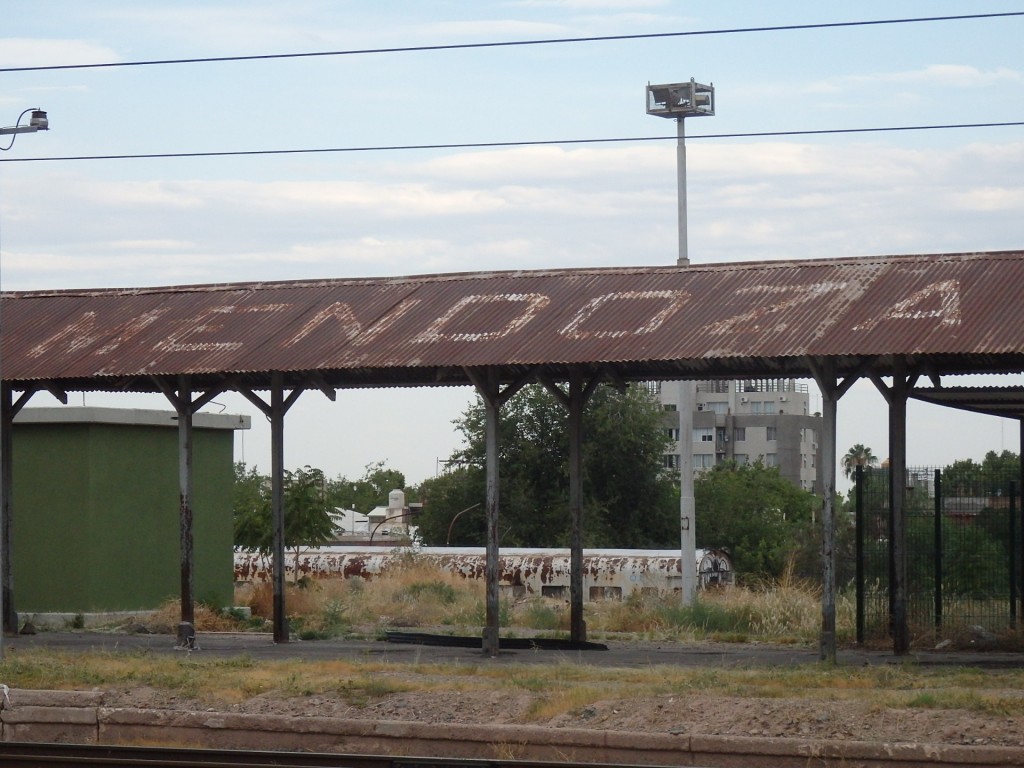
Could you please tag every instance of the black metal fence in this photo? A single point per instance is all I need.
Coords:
(964, 543)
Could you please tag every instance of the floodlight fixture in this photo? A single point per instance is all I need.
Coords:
(679, 100)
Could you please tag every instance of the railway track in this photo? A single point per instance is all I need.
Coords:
(27, 755)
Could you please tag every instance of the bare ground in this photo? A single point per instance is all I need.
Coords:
(706, 713)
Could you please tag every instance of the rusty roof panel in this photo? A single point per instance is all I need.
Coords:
(651, 322)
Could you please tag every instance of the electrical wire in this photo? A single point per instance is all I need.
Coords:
(513, 43)
(498, 144)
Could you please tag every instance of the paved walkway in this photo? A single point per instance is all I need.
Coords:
(618, 654)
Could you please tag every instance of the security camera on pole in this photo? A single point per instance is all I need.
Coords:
(679, 101)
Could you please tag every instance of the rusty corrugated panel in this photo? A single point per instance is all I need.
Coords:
(732, 318)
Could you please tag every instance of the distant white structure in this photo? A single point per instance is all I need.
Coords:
(609, 574)
(348, 522)
(380, 523)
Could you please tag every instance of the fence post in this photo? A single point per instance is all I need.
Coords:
(938, 550)
(858, 522)
(1013, 555)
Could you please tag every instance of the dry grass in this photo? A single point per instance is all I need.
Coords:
(419, 596)
(554, 689)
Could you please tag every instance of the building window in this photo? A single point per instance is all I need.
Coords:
(672, 433)
(704, 434)
(741, 459)
(769, 407)
(669, 406)
(703, 460)
(739, 433)
(653, 388)
(771, 433)
(718, 408)
(757, 407)
(670, 461)
(771, 459)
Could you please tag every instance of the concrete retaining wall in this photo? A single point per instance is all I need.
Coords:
(81, 717)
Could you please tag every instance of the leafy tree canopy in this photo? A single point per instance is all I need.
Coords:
(629, 499)
(306, 508)
(992, 477)
(755, 513)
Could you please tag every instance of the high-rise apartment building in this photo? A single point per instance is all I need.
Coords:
(744, 420)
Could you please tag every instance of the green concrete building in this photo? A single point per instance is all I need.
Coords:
(96, 509)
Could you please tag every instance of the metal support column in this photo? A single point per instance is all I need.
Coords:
(276, 414)
(831, 390)
(827, 645)
(687, 505)
(488, 386)
(897, 510)
(939, 546)
(859, 534)
(185, 495)
(574, 403)
(577, 625)
(684, 254)
(9, 615)
(492, 408)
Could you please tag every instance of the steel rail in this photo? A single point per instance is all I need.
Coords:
(33, 755)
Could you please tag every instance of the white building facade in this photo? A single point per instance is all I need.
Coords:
(746, 420)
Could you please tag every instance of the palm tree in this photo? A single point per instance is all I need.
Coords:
(858, 455)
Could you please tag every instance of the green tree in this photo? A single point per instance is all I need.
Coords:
(629, 500)
(755, 513)
(307, 522)
(858, 456)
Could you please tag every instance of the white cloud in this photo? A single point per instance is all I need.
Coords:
(151, 245)
(945, 75)
(485, 30)
(590, 4)
(517, 208)
(35, 52)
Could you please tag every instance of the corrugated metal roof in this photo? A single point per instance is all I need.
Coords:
(947, 313)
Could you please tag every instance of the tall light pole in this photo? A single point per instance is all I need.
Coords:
(679, 101)
(37, 122)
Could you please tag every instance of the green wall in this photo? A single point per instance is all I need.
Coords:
(95, 512)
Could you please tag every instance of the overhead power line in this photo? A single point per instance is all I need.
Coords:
(512, 43)
(498, 144)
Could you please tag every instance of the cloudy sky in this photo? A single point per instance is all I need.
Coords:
(69, 223)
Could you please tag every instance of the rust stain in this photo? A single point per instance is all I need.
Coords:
(955, 313)
(614, 572)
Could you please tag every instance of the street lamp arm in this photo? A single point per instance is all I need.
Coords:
(378, 525)
(448, 541)
(38, 122)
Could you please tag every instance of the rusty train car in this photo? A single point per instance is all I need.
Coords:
(607, 573)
